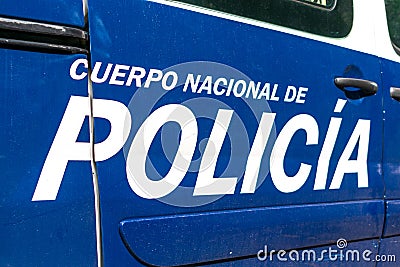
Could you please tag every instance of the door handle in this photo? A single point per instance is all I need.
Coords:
(395, 93)
(367, 88)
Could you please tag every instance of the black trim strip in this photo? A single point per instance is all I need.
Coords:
(41, 47)
(41, 28)
(42, 37)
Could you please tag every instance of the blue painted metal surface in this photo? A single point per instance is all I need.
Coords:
(35, 89)
(161, 37)
(389, 250)
(181, 228)
(391, 161)
(63, 12)
(391, 153)
(392, 223)
(209, 236)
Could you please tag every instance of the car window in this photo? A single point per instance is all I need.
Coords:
(332, 18)
(393, 18)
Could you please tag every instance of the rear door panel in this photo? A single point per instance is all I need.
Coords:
(391, 156)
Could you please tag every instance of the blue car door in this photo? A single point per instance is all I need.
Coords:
(222, 128)
(38, 226)
(390, 53)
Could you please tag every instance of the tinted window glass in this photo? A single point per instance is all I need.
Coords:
(393, 17)
(324, 17)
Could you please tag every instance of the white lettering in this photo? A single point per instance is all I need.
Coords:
(117, 74)
(74, 68)
(279, 177)
(256, 153)
(206, 184)
(138, 180)
(360, 135)
(66, 148)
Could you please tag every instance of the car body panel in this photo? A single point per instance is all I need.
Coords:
(166, 39)
(35, 89)
(50, 11)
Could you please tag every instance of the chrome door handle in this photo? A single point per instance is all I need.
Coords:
(395, 93)
(367, 88)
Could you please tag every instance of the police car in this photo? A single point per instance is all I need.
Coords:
(200, 132)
